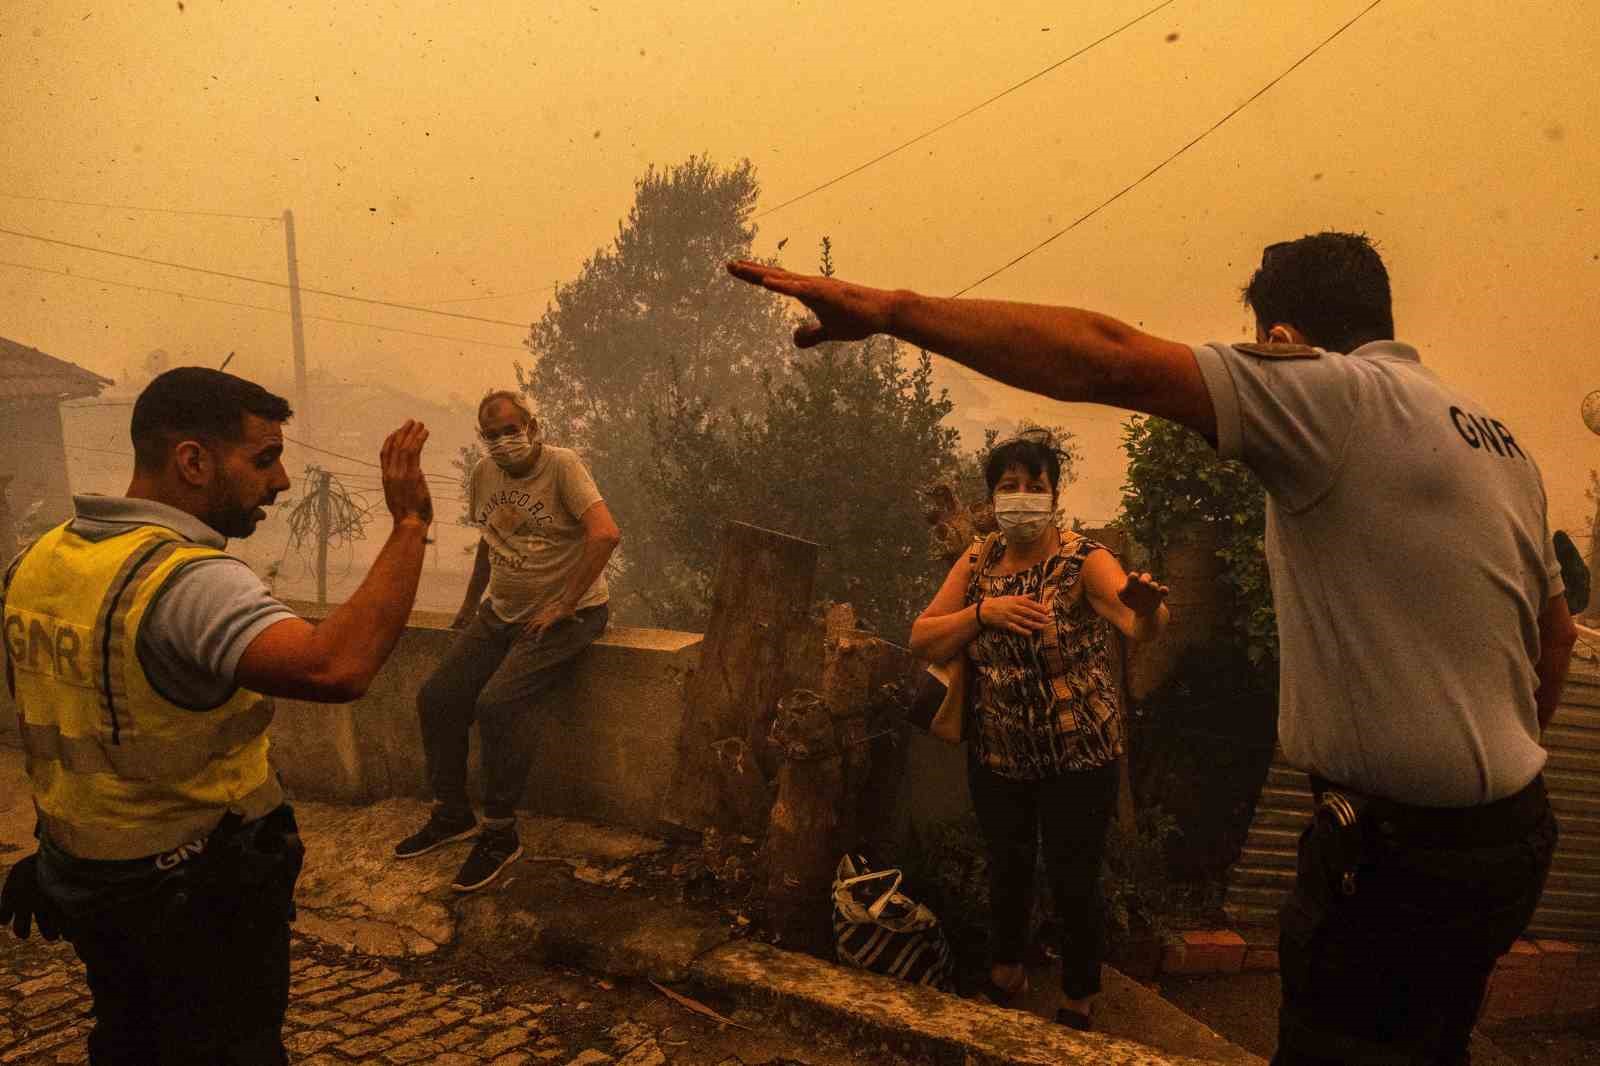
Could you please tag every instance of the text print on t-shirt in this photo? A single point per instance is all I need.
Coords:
(1481, 431)
(509, 514)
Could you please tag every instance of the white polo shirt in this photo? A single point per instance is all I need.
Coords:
(1410, 555)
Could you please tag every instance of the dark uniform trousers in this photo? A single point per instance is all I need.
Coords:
(197, 970)
(1386, 947)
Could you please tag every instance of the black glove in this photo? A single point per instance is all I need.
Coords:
(23, 903)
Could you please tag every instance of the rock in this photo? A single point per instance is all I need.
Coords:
(591, 1058)
(629, 1035)
(646, 1054)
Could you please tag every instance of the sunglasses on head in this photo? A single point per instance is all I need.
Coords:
(1030, 436)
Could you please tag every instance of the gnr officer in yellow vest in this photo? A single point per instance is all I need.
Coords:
(142, 658)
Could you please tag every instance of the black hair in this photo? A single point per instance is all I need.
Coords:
(1331, 286)
(200, 403)
(1033, 456)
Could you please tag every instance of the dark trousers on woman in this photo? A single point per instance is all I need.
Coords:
(494, 675)
(1071, 812)
(1389, 964)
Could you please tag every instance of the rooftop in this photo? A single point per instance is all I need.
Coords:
(29, 374)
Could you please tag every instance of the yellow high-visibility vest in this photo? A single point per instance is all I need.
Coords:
(120, 771)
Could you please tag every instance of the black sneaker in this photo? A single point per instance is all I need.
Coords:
(495, 850)
(439, 831)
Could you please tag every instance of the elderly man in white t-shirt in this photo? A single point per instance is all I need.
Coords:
(547, 536)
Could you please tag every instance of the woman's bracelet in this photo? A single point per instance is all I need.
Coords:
(977, 612)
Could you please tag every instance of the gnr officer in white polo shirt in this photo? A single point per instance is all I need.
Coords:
(1424, 635)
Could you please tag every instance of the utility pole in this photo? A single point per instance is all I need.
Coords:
(297, 329)
(323, 522)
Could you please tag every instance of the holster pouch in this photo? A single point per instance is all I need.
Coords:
(250, 866)
(1340, 824)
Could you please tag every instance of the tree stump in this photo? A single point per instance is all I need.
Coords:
(802, 846)
(760, 607)
(954, 524)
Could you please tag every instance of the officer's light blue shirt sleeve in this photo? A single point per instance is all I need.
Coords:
(200, 625)
(1291, 421)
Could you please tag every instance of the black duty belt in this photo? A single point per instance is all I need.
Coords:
(1501, 822)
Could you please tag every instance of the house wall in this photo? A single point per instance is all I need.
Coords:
(32, 452)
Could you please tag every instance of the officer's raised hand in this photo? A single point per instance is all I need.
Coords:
(844, 312)
(23, 902)
(405, 489)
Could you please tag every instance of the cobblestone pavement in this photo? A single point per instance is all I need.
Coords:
(350, 1008)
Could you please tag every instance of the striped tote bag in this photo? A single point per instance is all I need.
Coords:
(877, 928)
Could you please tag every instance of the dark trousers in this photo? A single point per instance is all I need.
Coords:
(197, 971)
(1071, 812)
(1391, 965)
(494, 675)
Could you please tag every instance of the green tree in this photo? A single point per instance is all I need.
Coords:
(1175, 481)
(837, 452)
(655, 310)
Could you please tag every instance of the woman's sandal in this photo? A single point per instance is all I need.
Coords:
(1073, 1019)
(1004, 996)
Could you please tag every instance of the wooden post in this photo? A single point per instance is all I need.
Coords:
(297, 334)
(760, 606)
(324, 520)
(802, 846)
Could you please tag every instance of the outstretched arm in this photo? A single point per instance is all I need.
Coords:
(1061, 352)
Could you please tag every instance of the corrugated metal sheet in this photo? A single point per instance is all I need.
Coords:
(1261, 880)
(27, 373)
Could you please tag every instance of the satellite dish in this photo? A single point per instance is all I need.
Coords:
(1591, 410)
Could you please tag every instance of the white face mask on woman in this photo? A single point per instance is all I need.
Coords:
(1023, 516)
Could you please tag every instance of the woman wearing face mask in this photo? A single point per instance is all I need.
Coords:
(1035, 618)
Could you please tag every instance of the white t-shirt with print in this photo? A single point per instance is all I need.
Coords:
(532, 525)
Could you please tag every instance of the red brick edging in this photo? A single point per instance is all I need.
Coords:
(1535, 977)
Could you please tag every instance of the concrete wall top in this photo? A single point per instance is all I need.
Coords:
(644, 639)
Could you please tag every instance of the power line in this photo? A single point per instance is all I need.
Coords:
(971, 110)
(64, 444)
(1161, 165)
(498, 296)
(260, 281)
(362, 462)
(259, 307)
(130, 207)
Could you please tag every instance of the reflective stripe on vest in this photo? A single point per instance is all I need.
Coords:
(141, 758)
(118, 770)
(140, 840)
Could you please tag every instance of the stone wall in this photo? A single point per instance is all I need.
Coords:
(604, 743)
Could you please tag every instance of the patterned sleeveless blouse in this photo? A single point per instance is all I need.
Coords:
(1047, 703)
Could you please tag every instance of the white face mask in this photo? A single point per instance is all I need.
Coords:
(1023, 516)
(514, 449)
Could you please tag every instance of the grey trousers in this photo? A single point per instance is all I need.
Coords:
(495, 676)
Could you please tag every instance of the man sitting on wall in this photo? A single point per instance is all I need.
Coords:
(547, 536)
